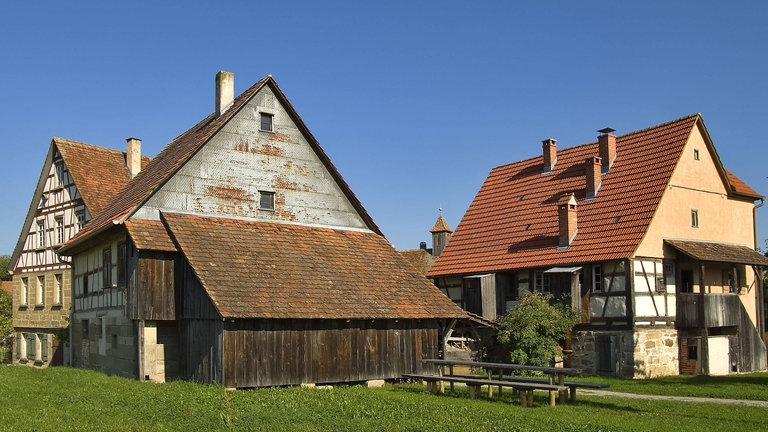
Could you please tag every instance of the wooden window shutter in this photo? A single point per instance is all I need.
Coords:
(44, 347)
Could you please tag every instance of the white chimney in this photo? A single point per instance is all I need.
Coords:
(225, 91)
(133, 156)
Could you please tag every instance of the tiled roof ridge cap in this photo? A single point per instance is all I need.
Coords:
(667, 123)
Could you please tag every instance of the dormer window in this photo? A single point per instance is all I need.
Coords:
(266, 200)
(266, 122)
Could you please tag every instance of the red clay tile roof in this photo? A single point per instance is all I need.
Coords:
(99, 173)
(741, 188)
(176, 154)
(420, 259)
(149, 235)
(719, 252)
(8, 287)
(441, 226)
(271, 270)
(513, 223)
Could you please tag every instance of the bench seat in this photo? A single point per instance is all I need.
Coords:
(474, 383)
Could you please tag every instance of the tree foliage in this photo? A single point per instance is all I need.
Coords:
(533, 329)
(6, 325)
(5, 262)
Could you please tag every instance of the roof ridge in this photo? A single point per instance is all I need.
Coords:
(628, 134)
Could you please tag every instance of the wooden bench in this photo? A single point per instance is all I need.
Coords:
(435, 383)
(572, 385)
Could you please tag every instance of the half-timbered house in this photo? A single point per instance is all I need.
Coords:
(646, 233)
(240, 256)
(76, 182)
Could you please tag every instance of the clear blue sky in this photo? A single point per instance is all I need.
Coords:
(414, 101)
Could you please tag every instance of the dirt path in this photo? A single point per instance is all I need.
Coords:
(762, 404)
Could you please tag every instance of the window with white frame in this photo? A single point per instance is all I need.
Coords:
(597, 278)
(57, 294)
(24, 291)
(694, 218)
(41, 234)
(541, 281)
(266, 124)
(266, 200)
(40, 290)
(59, 174)
(80, 218)
(59, 229)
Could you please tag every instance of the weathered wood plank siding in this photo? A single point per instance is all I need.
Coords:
(200, 348)
(157, 299)
(720, 310)
(259, 353)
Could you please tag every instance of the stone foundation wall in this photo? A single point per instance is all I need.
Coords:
(642, 353)
(104, 341)
(656, 353)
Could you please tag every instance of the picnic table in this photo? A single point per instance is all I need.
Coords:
(495, 376)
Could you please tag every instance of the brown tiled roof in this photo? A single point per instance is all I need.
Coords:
(741, 188)
(420, 259)
(719, 252)
(441, 226)
(149, 235)
(176, 154)
(272, 270)
(99, 173)
(513, 223)
(8, 287)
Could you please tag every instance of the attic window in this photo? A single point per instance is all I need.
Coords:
(527, 227)
(617, 220)
(695, 154)
(694, 218)
(522, 197)
(266, 122)
(266, 200)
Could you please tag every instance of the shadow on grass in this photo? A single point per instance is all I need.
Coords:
(540, 399)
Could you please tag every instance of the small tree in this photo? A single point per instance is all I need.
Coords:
(533, 329)
(6, 326)
(5, 262)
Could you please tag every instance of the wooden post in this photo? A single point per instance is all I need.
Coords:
(441, 385)
(561, 383)
(450, 370)
(490, 387)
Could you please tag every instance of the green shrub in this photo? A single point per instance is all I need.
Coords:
(533, 329)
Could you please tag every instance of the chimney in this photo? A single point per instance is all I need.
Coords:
(607, 145)
(225, 91)
(423, 245)
(133, 156)
(550, 154)
(567, 221)
(593, 168)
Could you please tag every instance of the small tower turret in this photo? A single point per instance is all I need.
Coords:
(441, 233)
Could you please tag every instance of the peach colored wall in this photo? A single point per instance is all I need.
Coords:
(695, 184)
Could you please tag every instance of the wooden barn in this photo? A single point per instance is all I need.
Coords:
(239, 256)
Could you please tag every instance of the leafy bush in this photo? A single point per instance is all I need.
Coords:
(533, 329)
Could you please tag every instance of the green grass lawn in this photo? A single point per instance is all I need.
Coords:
(752, 386)
(72, 399)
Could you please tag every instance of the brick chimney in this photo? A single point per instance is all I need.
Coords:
(133, 156)
(225, 91)
(550, 154)
(594, 178)
(567, 221)
(607, 146)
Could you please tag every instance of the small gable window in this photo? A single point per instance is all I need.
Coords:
(695, 154)
(266, 200)
(266, 122)
(694, 218)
